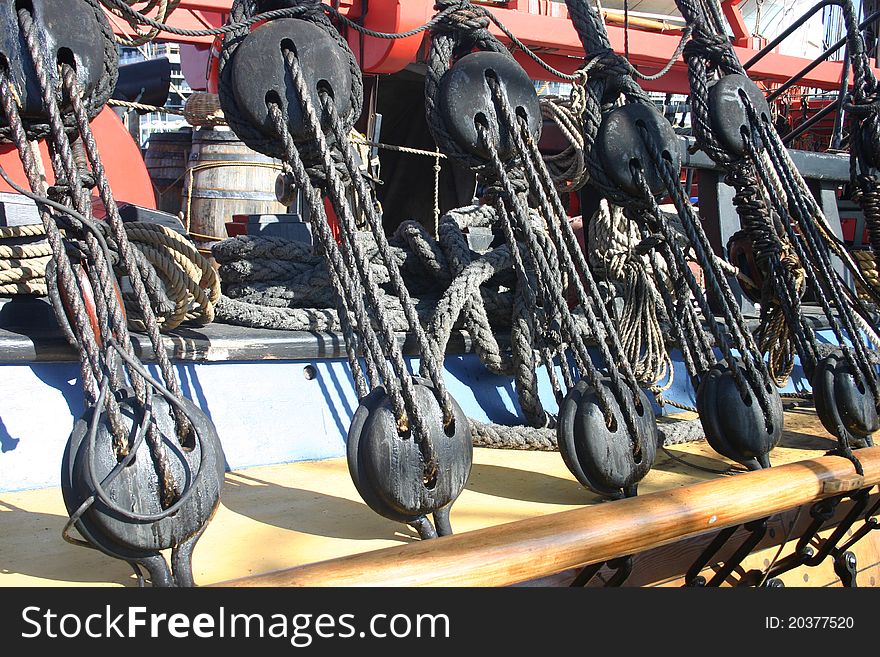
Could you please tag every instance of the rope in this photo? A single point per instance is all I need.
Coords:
(164, 9)
(182, 269)
(495, 436)
(313, 163)
(567, 168)
(868, 266)
(612, 247)
(767, 179)
(21, 271)
(100, 333)
(145, 108)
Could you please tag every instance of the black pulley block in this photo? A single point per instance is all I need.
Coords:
(843, 402)
(465, 99)
(388, 469)
(260, 73)
(609, 462)
(620, 146)
(728, 113)
(68, 31)
(127, 520)
(734, 427)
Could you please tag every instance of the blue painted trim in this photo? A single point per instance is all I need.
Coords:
(266, 412)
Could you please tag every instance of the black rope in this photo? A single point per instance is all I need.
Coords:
(106, 350)
(514, 186)
(605, 90)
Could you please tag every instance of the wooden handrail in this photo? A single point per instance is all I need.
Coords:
(536, 547)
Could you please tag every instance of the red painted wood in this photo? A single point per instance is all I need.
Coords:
(122, 160)
(742, 36)
(552, 35)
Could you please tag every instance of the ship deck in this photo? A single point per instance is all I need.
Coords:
(279, 516)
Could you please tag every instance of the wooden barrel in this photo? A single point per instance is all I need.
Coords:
(166, 159)
(225, 178)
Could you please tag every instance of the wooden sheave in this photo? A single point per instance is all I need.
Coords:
(534, 548)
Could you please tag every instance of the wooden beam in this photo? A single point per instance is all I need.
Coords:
(742, 36)
(553, 35)
(537, 547)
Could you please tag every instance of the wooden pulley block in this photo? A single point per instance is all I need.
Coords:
(607, 460)
(465, 99)
(388, 468)
(260, 74)
(69, 31)
(736, 427)
(620, 146)
(127, 519)
(728, 113)
(844, 402)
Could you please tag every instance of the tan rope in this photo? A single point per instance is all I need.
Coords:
(190, 279)
(23, 266)
(30, 230)
(821, 222)
(27, 287)
(567, 168)
(24, 250)
(145, 108)
(612, 238)
(21, 274)
(868, 266)
(399, 149)
(16, 263)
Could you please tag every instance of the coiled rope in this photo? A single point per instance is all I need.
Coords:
(24, 253)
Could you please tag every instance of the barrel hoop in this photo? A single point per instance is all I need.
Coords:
(230, 195)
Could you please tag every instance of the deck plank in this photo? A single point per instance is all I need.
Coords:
(278, 516)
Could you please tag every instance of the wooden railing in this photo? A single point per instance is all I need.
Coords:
(539, 547)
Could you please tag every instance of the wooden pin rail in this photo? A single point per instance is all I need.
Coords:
(538, 547)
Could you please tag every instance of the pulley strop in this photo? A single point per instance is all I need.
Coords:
(601, 454)
(465, 100)
(634, 160)
(620, 145)
(482, 111)
(737, 427)
(116, 503)
(730, 119)
(389, 470)
(67, 33)
(259, 72)
(844, 403)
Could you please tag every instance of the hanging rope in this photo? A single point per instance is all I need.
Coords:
(610, 84)
(312, 138)
(164, 9)
(530, 216)
(82, 261)
(791, 243)
(567, 168)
